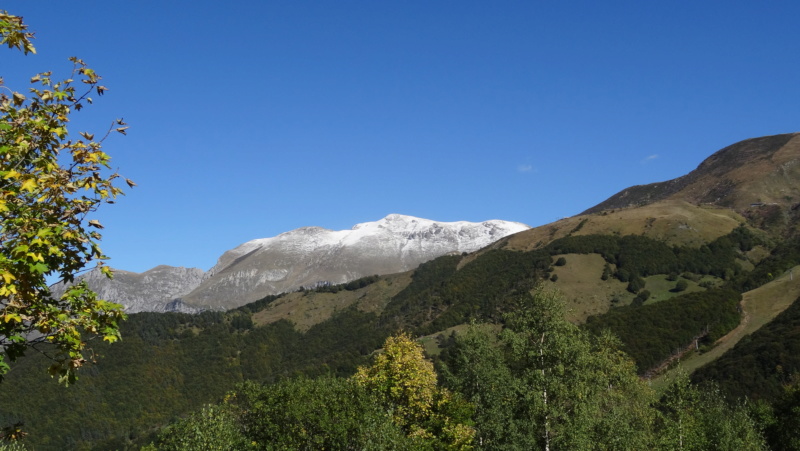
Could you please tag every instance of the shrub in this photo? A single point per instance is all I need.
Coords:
(682, 285)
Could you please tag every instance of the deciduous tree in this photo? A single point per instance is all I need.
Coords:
(544, 383)
(51, 182)
(404, 381)
(691, 418)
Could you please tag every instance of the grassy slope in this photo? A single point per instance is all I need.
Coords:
(675, 222)
(579, 280)
(587, 294)
(759, 307)
(584, 292)
(308, 309)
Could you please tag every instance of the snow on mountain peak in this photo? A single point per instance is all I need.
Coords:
(310, 255)
(303, 257)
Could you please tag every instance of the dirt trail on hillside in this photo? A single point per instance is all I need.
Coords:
(759, 306)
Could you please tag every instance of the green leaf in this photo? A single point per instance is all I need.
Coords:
(21, 249)
(39, 268)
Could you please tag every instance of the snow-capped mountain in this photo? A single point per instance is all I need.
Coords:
(303, 257)
(311, 255)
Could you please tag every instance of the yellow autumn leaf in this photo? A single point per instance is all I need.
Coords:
(37, 257)
(11, 317)
(29, 185)
(7, 276)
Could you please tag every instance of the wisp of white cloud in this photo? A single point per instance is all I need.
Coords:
(524, 168)
(650, 158)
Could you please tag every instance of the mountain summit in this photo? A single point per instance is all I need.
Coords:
(753, 172)
(305, 257)
(311, 256)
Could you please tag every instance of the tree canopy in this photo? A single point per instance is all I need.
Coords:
(50, 184)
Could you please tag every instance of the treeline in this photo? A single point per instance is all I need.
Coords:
(348, 286)
(169, 364)
(440, 296)
(781, 259)
(651, 333)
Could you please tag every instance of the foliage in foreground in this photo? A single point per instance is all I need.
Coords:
(404, 382)
(393, 404)
(544, 383)
(50, 182)
(541, 383)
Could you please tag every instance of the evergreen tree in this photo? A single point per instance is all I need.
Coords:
(783, 432)
(682, 285)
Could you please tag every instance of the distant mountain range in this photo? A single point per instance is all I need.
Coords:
(305, 257)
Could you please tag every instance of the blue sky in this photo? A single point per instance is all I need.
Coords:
(251, 118)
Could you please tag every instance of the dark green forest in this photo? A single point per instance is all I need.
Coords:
(540, 383)
(652, 332)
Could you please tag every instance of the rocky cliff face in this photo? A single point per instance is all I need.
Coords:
(311, 255)
(303, 257)
(156, 290)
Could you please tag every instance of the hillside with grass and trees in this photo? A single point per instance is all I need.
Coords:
(663, 318)
(170, 364)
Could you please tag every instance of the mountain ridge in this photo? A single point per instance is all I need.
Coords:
(303, 257)
(726, 178)
(310, 256)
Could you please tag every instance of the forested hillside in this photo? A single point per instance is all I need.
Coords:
(762, 364)
(171, 364)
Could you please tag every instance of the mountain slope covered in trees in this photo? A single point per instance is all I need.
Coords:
(172, 363)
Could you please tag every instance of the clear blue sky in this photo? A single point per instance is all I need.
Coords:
(251, 118)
